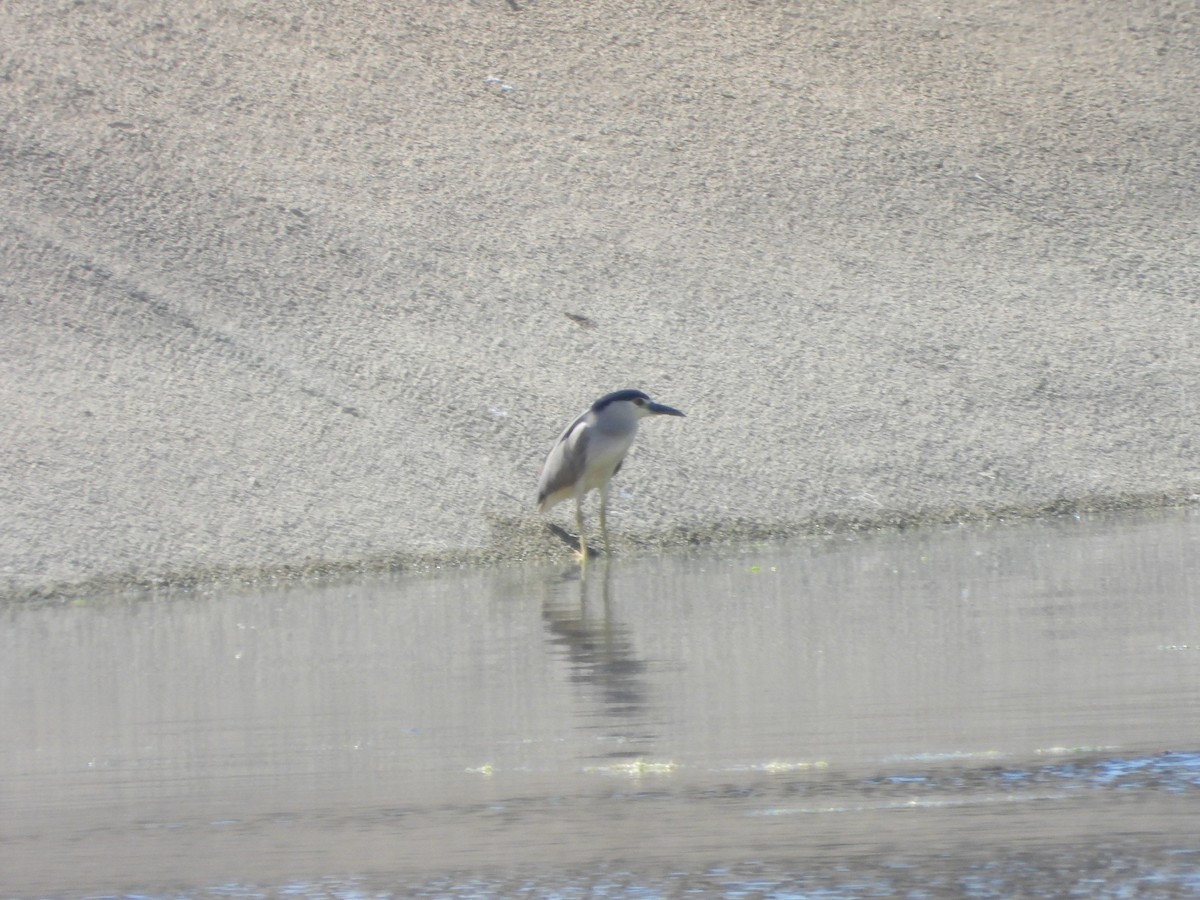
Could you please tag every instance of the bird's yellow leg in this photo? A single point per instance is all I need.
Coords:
(604, 518)
(583, 547)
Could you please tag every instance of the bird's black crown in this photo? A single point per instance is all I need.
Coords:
(617, 396)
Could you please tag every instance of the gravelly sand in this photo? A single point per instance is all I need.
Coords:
(294, 291)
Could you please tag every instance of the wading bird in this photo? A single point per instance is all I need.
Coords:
(590, 452)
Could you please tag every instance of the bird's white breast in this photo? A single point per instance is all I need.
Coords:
(604, 453)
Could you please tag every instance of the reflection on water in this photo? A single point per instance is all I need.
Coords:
(1003, 711)
(599, 649)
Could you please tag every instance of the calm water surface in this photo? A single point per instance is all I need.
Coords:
(985, 712)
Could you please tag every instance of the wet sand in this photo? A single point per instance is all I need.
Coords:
(290, 292)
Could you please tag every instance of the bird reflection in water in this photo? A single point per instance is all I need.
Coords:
(603, 659)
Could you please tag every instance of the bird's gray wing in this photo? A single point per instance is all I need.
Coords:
(564, 464)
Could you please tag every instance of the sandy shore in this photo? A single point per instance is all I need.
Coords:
(292, 291)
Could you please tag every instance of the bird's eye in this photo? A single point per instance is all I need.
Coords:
(639, 401)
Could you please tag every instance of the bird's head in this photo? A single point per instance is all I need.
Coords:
(631, 405)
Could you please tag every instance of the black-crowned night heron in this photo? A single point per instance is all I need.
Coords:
(590, 452)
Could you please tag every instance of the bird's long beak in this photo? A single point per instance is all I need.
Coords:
(659, 410)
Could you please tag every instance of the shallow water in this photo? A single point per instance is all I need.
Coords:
(984, 712)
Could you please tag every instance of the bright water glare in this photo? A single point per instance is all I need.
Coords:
(992, 711)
